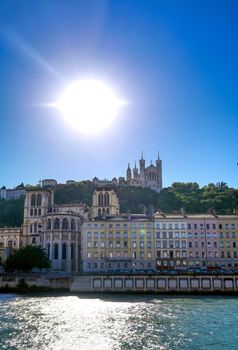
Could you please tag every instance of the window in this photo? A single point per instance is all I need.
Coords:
(149, 244)
(56, 224)
(141, 244)
(125, 244)
(64, 251)
(158, 244)
(148, 235)
(118, 244)
(89, 235)
(33, 200)
(73, 225)
(72, 251)
(65, 224)
(118, 234)
(125, 234)
(189, 226)
(134, 234)
(48, 250)
(102, 235)
(89, 244)
(102, 244)
(158, 235)
(95, 235)
(48, 224)
(164, 234)
(38, 200)
(31, 212)
(56, 251)
(149, 255)
(133, 244)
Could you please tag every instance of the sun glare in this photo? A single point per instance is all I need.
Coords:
(89, 105)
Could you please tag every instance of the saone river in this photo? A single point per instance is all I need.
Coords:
(113, 322)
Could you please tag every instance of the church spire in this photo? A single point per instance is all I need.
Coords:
(158, 156)
(142, 155)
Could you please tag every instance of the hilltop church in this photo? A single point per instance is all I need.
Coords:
(147, 177)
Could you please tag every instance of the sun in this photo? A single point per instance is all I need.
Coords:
(89, 106)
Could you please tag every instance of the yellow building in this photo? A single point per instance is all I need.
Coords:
(228, 240)
(118, 243)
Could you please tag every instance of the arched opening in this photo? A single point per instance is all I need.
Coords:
(56, 224)
(73, 224)
(108, 211)
(56, 251)
(48, 227)
(34, 240)
(38, 200)
(39, 212)
(31, 212)
(35, 212)
(72, 251)
(35, 227)
(106, 199)
(99, 212)
(33, 200)
(48, 250)
(64, 251)
(100, 199)
(65, 224)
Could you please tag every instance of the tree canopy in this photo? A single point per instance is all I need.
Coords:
(136, 199)
(27, 258)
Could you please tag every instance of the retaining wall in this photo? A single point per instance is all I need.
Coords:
(155, 284)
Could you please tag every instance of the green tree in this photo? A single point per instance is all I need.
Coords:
(27, 258)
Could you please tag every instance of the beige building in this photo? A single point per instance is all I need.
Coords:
(105, 202)
(10, 241)
(57, 228)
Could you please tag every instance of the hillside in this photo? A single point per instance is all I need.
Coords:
(170, 200)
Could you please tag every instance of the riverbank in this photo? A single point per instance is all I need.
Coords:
(157, 284)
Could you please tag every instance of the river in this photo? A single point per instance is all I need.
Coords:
(112, 322)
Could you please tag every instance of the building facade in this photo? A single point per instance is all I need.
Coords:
(118, 243)
(10, 241)
(57, 228)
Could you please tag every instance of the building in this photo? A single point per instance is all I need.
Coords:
(57, 228)
(147, 177)
(48, 183)
(11, 194)
(100, 239)
(118, 243)
(105, 202)
(10, 241)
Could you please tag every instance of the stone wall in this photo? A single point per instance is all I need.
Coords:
(155, 284)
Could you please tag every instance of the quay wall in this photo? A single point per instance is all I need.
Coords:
(40, 281)
(155, 284)
(127, 283)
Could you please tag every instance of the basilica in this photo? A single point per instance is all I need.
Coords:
(148, 177)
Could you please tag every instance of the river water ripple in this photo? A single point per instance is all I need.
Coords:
(118, 322)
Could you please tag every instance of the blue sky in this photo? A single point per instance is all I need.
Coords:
(175, 62)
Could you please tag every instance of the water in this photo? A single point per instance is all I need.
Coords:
(118, 322)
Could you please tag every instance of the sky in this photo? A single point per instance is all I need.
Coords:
(174, 62)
